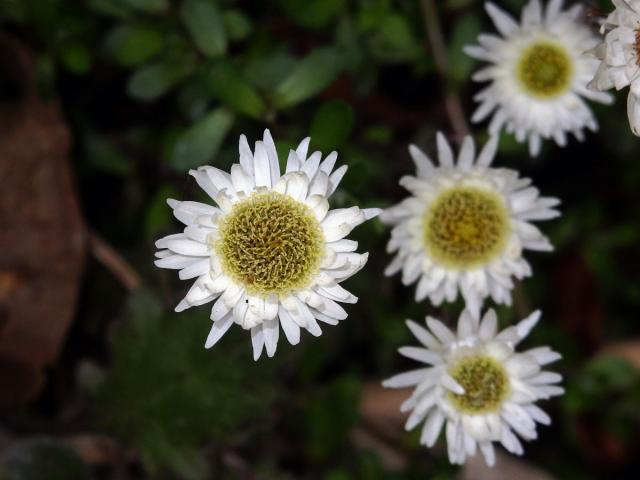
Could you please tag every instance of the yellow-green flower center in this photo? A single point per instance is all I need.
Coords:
(270, 243)
(485, 383)
(466, 227)
(545, 70)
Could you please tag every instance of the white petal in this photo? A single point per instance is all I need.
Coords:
(421, 355)
(423, 335)
(289, 326)
(271, 330)
(440, 330)
(218, 329)
(262, 166)
(445, 155)
(406, 379)
(432, 428)
(272, 153)
(257, 341)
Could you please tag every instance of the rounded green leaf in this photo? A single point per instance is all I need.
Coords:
(151, 6)
(200, 142)
(229, 86)
(153, 81)
(206, 26)
(313, 13)
(131, 45)
(312, 75)
(236, 24)
(75, 57)
(331, 125)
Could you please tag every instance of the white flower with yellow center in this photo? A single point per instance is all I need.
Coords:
(538, 74)
(619, 55)
(465, 226)
(271, 253)
(478, 384)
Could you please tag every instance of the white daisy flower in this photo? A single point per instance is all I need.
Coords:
(271, 253)
(538, 74)
(478, 384)
(620, 56)
(465, 226)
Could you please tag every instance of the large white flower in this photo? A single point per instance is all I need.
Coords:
(478, 384)
(271, 253)
(620, 56)
(538, 74)
(465, 226)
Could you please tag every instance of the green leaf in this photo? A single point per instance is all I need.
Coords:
(331, 126)
(236, 24)
(131, 45)
(112, 8)
(102, 155)
(75, 57)
(312, 75)
(206, 26)
(42, 459)
(394, 40)
(166, 394)
(269, 70)
(200, 142)
(465, 32)
(151, 6)
(313, 13)
(229, 86)
(152, 81)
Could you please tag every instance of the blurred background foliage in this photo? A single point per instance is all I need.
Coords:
(152, 88)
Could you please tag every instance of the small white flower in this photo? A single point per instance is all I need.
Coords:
(465, 226)
(271, 253)
(620, 56)
(478, 384)
(538, 74)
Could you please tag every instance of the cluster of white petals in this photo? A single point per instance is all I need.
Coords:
(508, 417)
(555, 105)
(619, 56)
(491, 277)
(308, 180)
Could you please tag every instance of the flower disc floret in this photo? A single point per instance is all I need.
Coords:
(545, 70)
(466, 226)
(270, 243)
(485, 383)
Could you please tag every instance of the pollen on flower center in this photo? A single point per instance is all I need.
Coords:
(545, 70)
(270, 243)
(485, 383)
(466, 226)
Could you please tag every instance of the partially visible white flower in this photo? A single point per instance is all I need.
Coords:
(538, 74)
(620, 56)
(476, 383)
(270, 254)
(465, 225)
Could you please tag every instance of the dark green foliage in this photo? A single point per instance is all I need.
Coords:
(199, 144)
(166, 394)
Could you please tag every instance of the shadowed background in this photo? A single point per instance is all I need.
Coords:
(104, 107)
